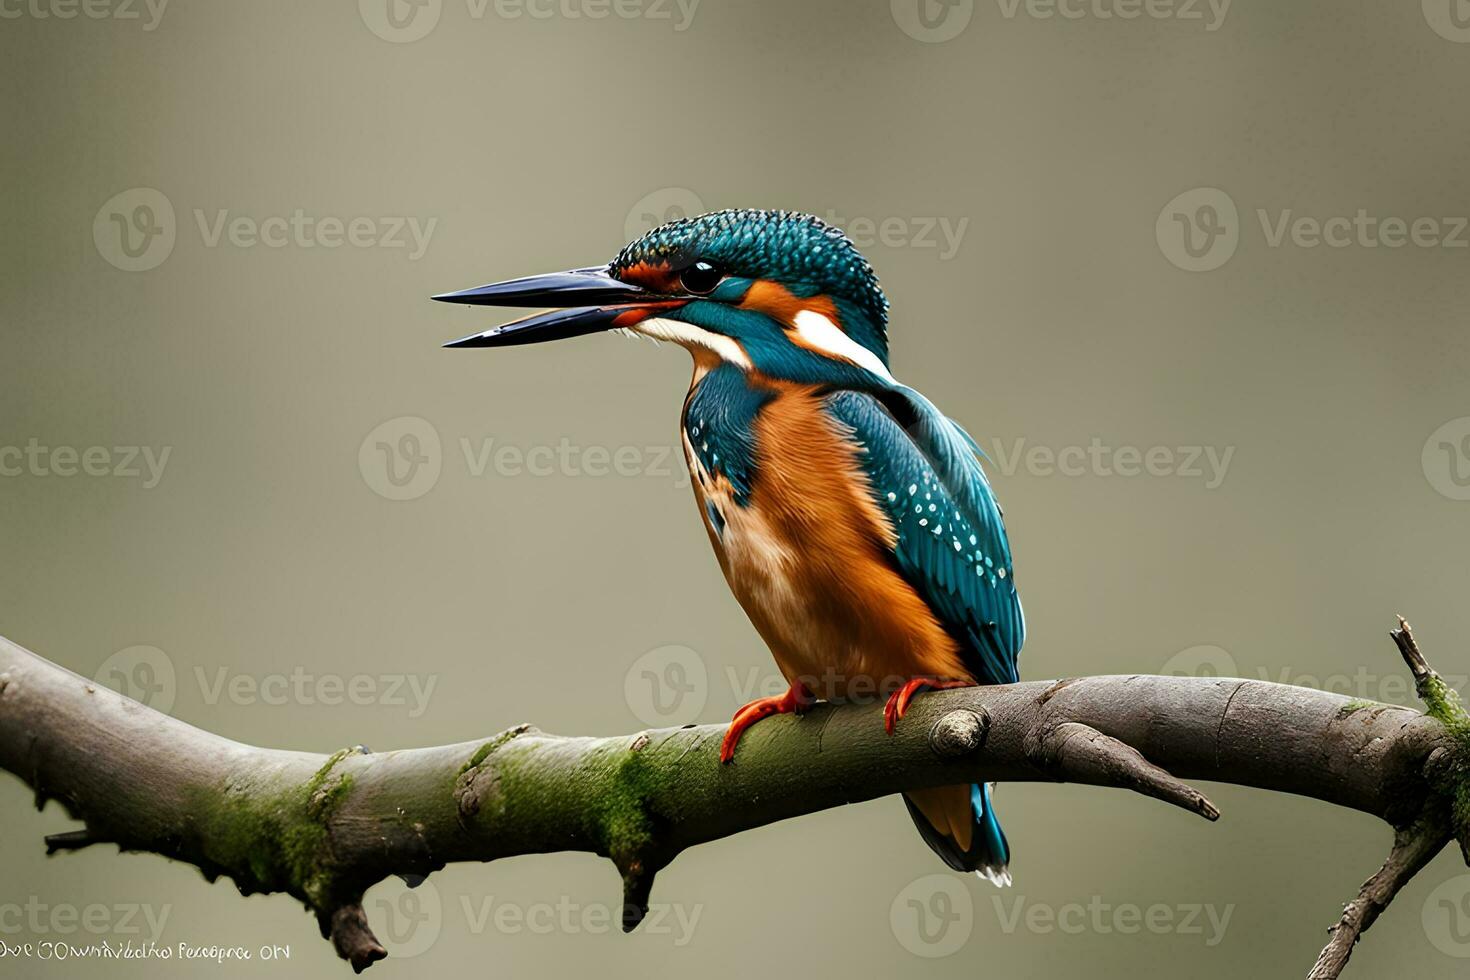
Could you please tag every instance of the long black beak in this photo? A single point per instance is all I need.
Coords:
(591, 300)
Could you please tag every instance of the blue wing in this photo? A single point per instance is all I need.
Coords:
(952, 547)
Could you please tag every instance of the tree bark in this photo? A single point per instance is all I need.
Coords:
(324, 828)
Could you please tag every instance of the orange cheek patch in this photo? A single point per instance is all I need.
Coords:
(781, 305)
(637, 314)
(655, 278)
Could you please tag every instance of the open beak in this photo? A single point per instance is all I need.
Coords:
(588, 301)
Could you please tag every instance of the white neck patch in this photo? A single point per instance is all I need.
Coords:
(689, 335)
(820, 333)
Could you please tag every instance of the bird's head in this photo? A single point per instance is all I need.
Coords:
(775, 292)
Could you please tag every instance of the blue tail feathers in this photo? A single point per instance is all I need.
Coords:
(994, 850)
(936, 814)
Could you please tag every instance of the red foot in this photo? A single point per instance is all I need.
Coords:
(898, 704)
(794, 701)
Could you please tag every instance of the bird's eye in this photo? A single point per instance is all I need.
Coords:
(701, 278)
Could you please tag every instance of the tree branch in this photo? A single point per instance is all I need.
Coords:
(325, 828)
(1413, 848)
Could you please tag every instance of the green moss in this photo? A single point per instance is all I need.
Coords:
(483, 752)
(1443, 704)
(271, 839)
(609, 790)
(1356, 704)
(621, 817)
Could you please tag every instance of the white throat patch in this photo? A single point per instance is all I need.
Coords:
(689, 335)
(820, 333)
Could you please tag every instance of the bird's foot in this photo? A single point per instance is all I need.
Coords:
(898, 702)
(795, 701)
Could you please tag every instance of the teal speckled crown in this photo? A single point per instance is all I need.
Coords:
(785, 246)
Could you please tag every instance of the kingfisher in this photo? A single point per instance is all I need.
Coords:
(852, 519)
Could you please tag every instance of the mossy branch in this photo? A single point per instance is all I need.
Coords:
(1451, 770)
(324, 828)
(1444, 811)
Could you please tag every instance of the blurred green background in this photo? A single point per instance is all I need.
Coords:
(1089, 229)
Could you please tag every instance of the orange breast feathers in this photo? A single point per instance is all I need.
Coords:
(810, 560)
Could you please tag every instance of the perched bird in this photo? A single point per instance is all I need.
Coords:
(851, 518)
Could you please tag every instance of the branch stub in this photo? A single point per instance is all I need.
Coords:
(959, 733)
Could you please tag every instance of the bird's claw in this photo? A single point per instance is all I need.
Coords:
(795, 701)
(898, 702)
